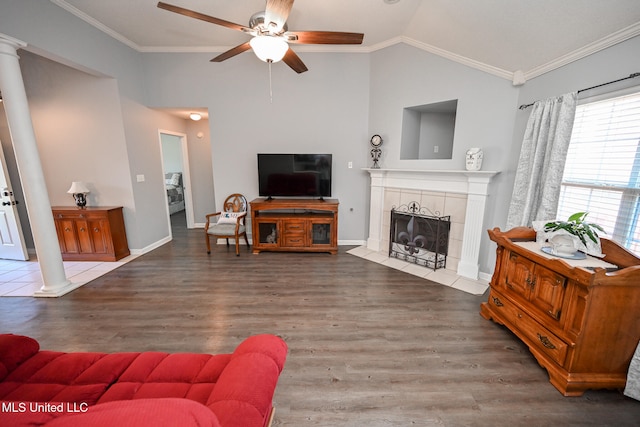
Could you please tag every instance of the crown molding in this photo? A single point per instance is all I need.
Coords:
(608, 41)
(458, 58)
(95, 23)
(605, 42)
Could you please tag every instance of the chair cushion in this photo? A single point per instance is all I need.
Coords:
(225, 229)
(229, 217)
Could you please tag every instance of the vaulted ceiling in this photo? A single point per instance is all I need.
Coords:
(521, 38)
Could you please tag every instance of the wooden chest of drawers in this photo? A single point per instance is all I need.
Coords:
(581, 323)
(91, 234)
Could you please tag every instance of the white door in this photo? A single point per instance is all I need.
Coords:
(11, 239)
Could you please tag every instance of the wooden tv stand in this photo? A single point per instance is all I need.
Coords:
(294, 225)
(580, 319)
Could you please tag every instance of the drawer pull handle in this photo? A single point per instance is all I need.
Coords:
(67, 229)
(546, 342)
(96, 229)
(497, 301)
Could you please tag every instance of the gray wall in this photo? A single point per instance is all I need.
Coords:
(403, 76)
(321, 111)
(334, 108)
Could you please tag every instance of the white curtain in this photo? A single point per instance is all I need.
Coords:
(544, 150)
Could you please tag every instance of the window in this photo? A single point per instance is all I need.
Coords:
(602, 171)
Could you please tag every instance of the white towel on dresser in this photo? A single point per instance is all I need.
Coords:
(632, 388)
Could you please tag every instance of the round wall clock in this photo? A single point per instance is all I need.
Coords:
(376, 141)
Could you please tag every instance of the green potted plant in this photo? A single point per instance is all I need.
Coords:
(574, 234)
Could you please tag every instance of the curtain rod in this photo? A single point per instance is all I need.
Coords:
(630, 76)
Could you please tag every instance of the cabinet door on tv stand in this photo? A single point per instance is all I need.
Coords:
(268, 233)
(321, 233)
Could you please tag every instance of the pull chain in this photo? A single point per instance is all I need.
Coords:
(270, 84)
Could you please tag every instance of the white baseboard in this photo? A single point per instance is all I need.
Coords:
(150, 247)
(351, 242)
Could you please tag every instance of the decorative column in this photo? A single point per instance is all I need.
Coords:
(31, 174)
(376, 209)
(477, 191)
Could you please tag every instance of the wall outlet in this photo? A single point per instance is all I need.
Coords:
(436, 148)
(140, 178)
(350, 165)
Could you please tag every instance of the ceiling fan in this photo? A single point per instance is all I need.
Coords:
(271, 36)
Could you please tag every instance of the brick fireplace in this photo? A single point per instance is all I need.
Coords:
(461, 195)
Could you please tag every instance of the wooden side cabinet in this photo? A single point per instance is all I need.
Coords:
(580, 319)
(294, 225)
(91, 234)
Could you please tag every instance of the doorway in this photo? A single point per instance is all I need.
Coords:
(177, 178)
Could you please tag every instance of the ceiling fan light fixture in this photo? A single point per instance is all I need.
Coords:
(269, 48)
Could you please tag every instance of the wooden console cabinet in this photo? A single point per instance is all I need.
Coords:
(294, 225)
(91, 234)
(581, 323)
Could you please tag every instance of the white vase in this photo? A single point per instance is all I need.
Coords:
(473, 159)
(563, 245)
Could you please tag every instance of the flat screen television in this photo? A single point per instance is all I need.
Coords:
(294, 175)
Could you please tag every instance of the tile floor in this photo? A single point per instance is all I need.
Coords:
(442, 276)
(23, 278)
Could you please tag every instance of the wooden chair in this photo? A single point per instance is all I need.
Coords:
(231, 222)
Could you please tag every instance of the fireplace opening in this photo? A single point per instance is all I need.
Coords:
(419, 236)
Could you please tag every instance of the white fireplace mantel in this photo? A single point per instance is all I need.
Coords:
(475, 184)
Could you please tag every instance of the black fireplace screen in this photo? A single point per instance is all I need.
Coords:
(419, 236)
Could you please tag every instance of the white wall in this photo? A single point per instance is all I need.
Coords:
(171, 153)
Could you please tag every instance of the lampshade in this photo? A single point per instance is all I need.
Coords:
(195, 116)
(269, 48)
(78, 187)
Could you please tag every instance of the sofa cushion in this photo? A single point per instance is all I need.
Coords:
(153, 375)
(144, 412)
(14, 350)
(65, 377)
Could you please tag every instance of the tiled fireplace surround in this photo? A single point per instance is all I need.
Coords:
(459, 194)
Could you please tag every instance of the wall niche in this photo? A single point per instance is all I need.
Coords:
(427, 131)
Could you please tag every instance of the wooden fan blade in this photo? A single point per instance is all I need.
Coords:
(324, 37)
(294, 61)
(201, 16)
(276, 13)
(232, 52)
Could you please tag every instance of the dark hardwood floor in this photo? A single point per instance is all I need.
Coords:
(368, 345)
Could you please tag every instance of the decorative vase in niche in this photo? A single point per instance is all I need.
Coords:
(473, 159)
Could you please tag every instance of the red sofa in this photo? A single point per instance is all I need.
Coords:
(50, 388)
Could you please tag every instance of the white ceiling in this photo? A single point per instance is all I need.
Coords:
(498, 36)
